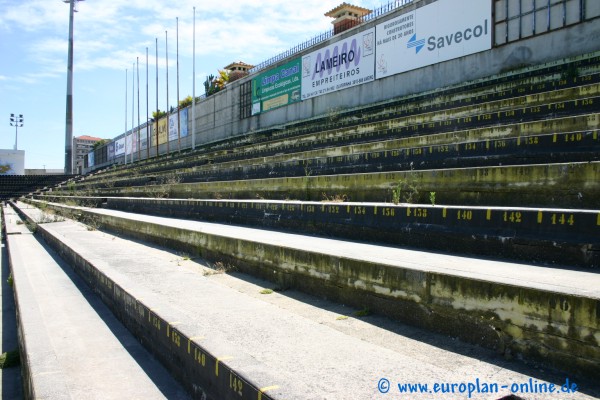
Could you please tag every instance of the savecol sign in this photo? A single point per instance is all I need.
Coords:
(440, 31)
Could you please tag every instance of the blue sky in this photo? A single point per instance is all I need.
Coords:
(109, 35)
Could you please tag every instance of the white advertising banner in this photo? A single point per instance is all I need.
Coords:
(131, 146)
(431, 34)
(341, 65)
(183, 118)
(119, 147)
(173, 127)
(183, 125)
(144, 138)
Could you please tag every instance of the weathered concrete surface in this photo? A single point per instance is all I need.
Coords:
(11, 387)
(549, 236)
(71, 345)
(568, 185)
(291, 349)
(546, 315)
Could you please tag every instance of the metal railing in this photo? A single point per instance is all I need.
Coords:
(390, 6)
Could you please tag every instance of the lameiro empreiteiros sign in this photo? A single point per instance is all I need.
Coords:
(343, 64)
(440, 31)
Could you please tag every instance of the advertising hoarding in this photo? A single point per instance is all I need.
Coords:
(183, 117)
(132, 143)
(173, 127)
(183, 124)
(277, 87)
(12, 162)
(163, 130)
(120, 147)
(144, 138)
(346, 63)
(111, 151)
(437, 32)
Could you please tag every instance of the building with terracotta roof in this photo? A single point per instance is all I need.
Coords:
(346, 16)
(82, 145)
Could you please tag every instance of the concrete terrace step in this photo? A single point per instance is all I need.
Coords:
(531, 149)
(564, 185)
(538, 313)
(220, 335)
(72, 347)
(550, 236)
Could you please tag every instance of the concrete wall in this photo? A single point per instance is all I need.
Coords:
(522, 37)
(217, 117)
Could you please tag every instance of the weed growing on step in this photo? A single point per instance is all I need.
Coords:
(432, 198)
(32, 226)
(43, 205)
(10, 280)
(91, 223)
(107, 183)
(570, 72)
(396, 193)
(362, 313)
(406, 190)
(336, 198)
(266, 291)
(219, 268)
(48, 217)
(10, 359)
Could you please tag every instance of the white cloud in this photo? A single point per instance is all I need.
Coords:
(110, 34)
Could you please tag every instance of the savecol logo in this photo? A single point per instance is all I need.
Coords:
(440, 42)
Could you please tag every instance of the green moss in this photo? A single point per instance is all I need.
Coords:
(10, 359)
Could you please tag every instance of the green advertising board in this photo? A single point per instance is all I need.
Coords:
(277, 87)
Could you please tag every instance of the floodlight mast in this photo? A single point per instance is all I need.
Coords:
(69, 111)
(17, 122)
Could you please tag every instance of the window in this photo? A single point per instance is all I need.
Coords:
(246, 100)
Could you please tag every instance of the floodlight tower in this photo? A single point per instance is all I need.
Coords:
(69, 112)
(17, 122)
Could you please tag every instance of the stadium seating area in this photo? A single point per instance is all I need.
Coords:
(15, 186)
(507, 166)
(500, 173)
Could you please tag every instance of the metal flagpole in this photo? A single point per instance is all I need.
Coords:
(132, 112)
(167, 61)
(194, 87)
(126, 86)
(148, 144)
(156, 132)
(138, 101)
(178, 117)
